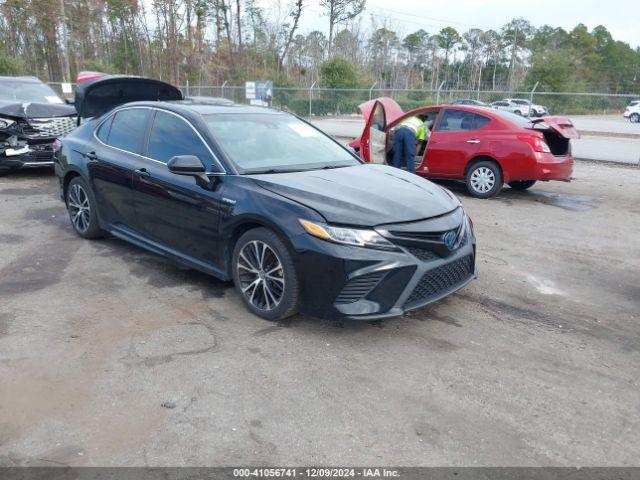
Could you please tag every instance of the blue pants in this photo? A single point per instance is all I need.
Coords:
(404, 149)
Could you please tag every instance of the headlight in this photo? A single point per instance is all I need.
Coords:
(6, 123)
(347, 236)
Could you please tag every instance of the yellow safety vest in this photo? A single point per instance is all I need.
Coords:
(417, 125)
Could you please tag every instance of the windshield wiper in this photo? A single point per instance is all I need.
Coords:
(271, 170)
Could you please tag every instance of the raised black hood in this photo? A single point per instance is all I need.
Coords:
(27, 110)
(365, 195)
(98, 96)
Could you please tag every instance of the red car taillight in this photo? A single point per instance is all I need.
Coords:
(537, 143)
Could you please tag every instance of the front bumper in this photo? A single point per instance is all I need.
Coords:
(342, 282)
(39, 155)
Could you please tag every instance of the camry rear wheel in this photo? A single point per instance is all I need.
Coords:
(484, 179)
(81, 206)
(264, 275)
(635, 117)
(522, 185)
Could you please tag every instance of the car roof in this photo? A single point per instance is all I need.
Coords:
(24, 79)
(205, 108)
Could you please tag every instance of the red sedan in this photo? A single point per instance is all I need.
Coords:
(484, 147)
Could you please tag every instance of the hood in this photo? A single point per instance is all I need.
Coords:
(25, 111)
(392, 111)
(99, 95)
(364, 195)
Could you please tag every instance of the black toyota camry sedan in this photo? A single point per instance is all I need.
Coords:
(261, 197)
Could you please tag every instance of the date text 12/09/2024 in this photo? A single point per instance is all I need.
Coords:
(372, 472)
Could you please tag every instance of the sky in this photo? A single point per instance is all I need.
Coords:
(621, 17)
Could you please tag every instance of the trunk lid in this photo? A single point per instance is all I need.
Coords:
(99, 95)
(561, 125)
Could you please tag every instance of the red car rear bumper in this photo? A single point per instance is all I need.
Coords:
(549, 167)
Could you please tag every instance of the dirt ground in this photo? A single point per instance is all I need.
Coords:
(112, 356)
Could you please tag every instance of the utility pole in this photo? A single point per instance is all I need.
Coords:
(66, 69)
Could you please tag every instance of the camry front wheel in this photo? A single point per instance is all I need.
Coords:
(264, 275)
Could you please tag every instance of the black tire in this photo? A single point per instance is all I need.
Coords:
(484, 179)
(85, 223)
(274, 297)
(634, 118)
(522, 185)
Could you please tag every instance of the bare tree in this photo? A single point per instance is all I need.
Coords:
(340, 11)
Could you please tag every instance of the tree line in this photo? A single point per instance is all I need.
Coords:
(213, 41)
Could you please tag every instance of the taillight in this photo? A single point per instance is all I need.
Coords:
(537, 143)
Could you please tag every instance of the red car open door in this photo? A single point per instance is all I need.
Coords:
(378, 114)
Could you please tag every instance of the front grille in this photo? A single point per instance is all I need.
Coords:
(441, 279)
(56, 127)
(422, 254)
(359, 287)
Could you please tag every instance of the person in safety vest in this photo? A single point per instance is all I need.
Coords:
(405, 141)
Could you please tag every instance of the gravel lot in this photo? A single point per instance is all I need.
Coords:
(535, 363)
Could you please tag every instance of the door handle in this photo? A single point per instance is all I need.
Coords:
(473, 141)
(142, 173)
(91, 156)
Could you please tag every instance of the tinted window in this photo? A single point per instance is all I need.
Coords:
(633, 104)
(456, 120)
(171, 136)
(103, 131)
(127, 129)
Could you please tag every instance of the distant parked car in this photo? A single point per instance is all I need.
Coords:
(484, 148)
(32, 117)
(469, 101)
(521, 107)
(632, 112)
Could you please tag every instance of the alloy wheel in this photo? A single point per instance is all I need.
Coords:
(483, 179)
(79, 207)
(261, 275)
(635, 118)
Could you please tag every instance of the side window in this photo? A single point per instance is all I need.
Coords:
(103, 131)
(127, 129)
(171, 135)
(457, 120)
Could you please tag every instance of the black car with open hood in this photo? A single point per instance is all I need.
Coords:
(99, 95)
(28, 133)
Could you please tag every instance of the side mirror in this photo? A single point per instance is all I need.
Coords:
(191, 166)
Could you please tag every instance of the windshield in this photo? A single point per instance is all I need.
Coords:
(28, 92)
(265, 142)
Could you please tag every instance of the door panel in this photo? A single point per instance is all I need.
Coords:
(457, 137)
(172, 209)
(175, 212)
(374, 138)
(110, 168)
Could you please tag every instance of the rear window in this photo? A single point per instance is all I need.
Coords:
(633, 104)
(127, 129)
(513, 118)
